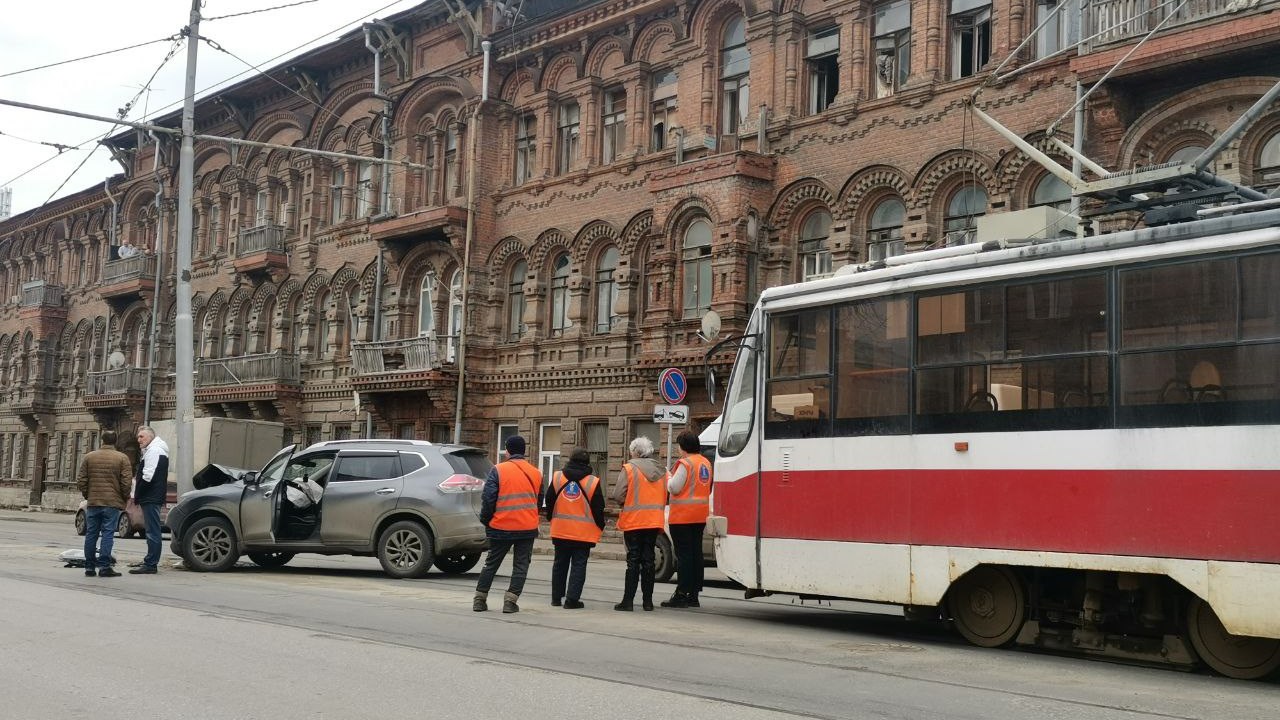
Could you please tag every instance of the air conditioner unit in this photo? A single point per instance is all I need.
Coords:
(1044, 222)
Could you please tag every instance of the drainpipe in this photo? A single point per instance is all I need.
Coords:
(155, 298)
(106, 330)
(1077, 128)
(486, 46)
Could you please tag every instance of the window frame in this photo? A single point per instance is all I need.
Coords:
(568, 136)
(822, 66)
(977, 21)
(516, 301)
(698, 257)
(613, 124)
(606, 291)
(526, 147)
(558, 295)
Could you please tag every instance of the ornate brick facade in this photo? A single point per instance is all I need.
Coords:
(624, 186)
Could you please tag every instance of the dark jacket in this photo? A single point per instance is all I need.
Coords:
(489, 505)
(104, 478)
(151, 480)
(576, 472)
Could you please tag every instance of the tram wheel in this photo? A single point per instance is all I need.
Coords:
(1235, 656)
(988, 605)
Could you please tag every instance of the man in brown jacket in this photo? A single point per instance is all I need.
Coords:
(105, 480)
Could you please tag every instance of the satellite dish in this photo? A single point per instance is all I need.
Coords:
(711, 325)
(116, 360)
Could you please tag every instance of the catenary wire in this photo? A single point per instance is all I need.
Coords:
(255, 12)
(88, 57)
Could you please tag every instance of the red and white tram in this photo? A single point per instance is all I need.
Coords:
(1070, 443)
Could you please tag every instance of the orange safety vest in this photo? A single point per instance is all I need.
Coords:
(642, 509)
(692, 505)
(572, 519)
(517, 506)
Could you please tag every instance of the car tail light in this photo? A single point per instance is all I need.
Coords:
(461, 483)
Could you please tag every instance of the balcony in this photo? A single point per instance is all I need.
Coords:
(265, 386)
(400, 365)
(401, 233)
(39, 294)
(1223, 27)
(128, 278)
(261, 249)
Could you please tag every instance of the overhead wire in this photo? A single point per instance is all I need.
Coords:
(181, 100)
(87, 57)
(255, 12)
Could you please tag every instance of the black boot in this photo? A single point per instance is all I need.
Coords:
(678, 600)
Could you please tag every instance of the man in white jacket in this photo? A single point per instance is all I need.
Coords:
(150, 490)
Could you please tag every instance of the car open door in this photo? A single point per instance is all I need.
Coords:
(257, 507)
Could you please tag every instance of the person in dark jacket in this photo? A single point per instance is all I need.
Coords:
(150, 488)
(104, 481)
(575, 506)
(509, 512)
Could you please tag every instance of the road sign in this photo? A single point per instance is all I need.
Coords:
(671, 414)
(672, 386)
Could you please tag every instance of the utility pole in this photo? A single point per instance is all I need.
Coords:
(185, 401)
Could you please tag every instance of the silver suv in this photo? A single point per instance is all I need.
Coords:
(411, 503)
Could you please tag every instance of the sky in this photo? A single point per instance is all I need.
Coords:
(37, 32)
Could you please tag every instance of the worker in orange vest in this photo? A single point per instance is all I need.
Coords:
(690, 489)
(575, 505)
(642, 494)
(509, 511)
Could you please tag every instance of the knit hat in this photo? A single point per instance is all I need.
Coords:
(515, 445)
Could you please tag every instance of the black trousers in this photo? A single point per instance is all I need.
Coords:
(569, 570)
(640, 544)
(687, 539)
(519, 564)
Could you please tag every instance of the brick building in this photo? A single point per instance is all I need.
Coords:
(637, 163)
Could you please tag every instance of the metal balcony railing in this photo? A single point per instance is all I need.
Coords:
(40, 294)
(121, 380)
(1112, 21)
(388, 356)
(134, 268)
(264, 238)
(276, 366)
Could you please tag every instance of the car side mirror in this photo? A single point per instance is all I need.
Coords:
(250, 478)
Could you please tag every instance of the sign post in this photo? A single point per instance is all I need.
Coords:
(672, 386)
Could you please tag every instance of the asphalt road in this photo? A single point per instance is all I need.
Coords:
(328, 637)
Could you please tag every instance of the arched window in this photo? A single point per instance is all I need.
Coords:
(614, 119)
(352, 302)
(1269, 161)
(606, 290)
(1186, 154)
(963, 209)
(735, 80)
(697, 268)
(1051, 191)
(265, 315)
(141, 344)
(455, 313)
(815, 256)
(515, 300)
(323, 328)
(427, 304)
(336, 186)
(559, 295)
(567, 132)
(886, 221)
(452, 184)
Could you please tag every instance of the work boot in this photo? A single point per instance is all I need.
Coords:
(648, 603)
(480, 603)
(509, 603)
(573, 605)
(692, 600)
(624, 606)
(90, 573)
(678, 600)
(108, 572)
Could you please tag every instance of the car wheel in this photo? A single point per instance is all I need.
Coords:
(664, 559)
(80, 522)
(123, 527)
(406, 550)
(270, 559)
(209, 545)
(457, 564)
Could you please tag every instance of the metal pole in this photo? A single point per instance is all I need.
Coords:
(184, 405)
(466, 252)
(1202, 161)
(155, 304)
(670, 433)
(1072, 180)
(1077, 134)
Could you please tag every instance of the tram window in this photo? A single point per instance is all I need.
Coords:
(1183, 304)
(961, 327)
(1234, 385)
(872, 368)
(1054, 394)
(1259, 301)
(1057, 317)
(799, 391)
